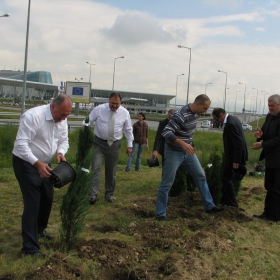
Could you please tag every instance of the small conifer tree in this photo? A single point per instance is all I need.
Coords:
(183, 182)
(180, 182)
(75, 202)
(213, 174)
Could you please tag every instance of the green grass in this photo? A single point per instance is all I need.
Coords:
(241, 248)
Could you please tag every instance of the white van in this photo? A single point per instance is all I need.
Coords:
(206, 124)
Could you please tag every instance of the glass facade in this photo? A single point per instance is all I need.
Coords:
(39, 76)
(156, 103)
(39, 85)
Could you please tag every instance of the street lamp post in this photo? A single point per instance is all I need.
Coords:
(256, 101)
(235, 100)
(252, 97)
(225, 88)
(114, 71)
(244, 96)
(5, 15)
(179, 46)
(229, 102)
(265, 93)
(25, 61)
(78, 79)
(206, 86)
(90, 70)
(176, 89)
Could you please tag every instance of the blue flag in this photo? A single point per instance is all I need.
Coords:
(77, 91)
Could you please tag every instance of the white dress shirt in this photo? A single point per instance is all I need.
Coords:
(225, 120)
(100, 115)
(39, 137)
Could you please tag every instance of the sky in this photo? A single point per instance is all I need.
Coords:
(238, 37)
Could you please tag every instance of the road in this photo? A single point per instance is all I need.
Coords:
(152, 124)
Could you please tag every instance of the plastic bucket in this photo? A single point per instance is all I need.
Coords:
(62, 174)
(152, 162)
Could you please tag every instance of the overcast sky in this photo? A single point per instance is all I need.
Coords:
(239, 37)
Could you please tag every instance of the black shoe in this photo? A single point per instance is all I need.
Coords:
(92, 201)
(264, 217)
(162, 218)
(216, 209)
(36, 254)
(110, 199)
(261, 216)
(45, 234)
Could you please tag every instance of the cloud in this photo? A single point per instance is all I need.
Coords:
(66, 34)
(132, 29)
(261, 29)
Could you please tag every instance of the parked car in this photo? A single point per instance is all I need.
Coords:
(246, 126)
(206, 124)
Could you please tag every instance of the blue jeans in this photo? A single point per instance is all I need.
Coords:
(172, 160)
(140, 148)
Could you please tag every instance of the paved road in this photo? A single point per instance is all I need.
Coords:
(152, 124)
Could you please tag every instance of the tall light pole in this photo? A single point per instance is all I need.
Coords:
(89, 70)
(235, 100)
(229, 102)
(252, 97)
(176, 88)
(265, 93)
(206, 86)
(225, 98)
(244, 96)
(114, 71)
(25, 60)
(5, 15)
(78, 79)
(256, 100)
(179, 46)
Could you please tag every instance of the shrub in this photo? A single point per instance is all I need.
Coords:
(213, 173)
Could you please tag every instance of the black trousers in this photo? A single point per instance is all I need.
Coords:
(37, 196)
(272, 199)
(228, 192)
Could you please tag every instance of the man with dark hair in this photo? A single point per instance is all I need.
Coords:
(111, 121)
(268, 138)
(42, 133)
(159, 140)
(178, 151)
(235, 153)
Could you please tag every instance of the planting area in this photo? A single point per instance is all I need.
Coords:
(123, 240)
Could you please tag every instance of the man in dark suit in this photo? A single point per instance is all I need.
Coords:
(235, 152)
(268, 138)
(159, 140)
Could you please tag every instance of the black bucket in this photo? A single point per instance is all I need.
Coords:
(62, 174)
(152, 162)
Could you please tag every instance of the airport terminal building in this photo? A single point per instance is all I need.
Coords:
(39, 86)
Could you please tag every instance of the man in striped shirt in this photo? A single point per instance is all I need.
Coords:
(178, 151)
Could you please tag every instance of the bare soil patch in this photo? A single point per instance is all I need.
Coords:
(190, 244)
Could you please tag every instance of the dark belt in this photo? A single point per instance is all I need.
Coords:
(100, 139)
(104, 140)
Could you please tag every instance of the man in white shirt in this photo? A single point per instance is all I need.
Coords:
(101, 116)
(42, 133)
